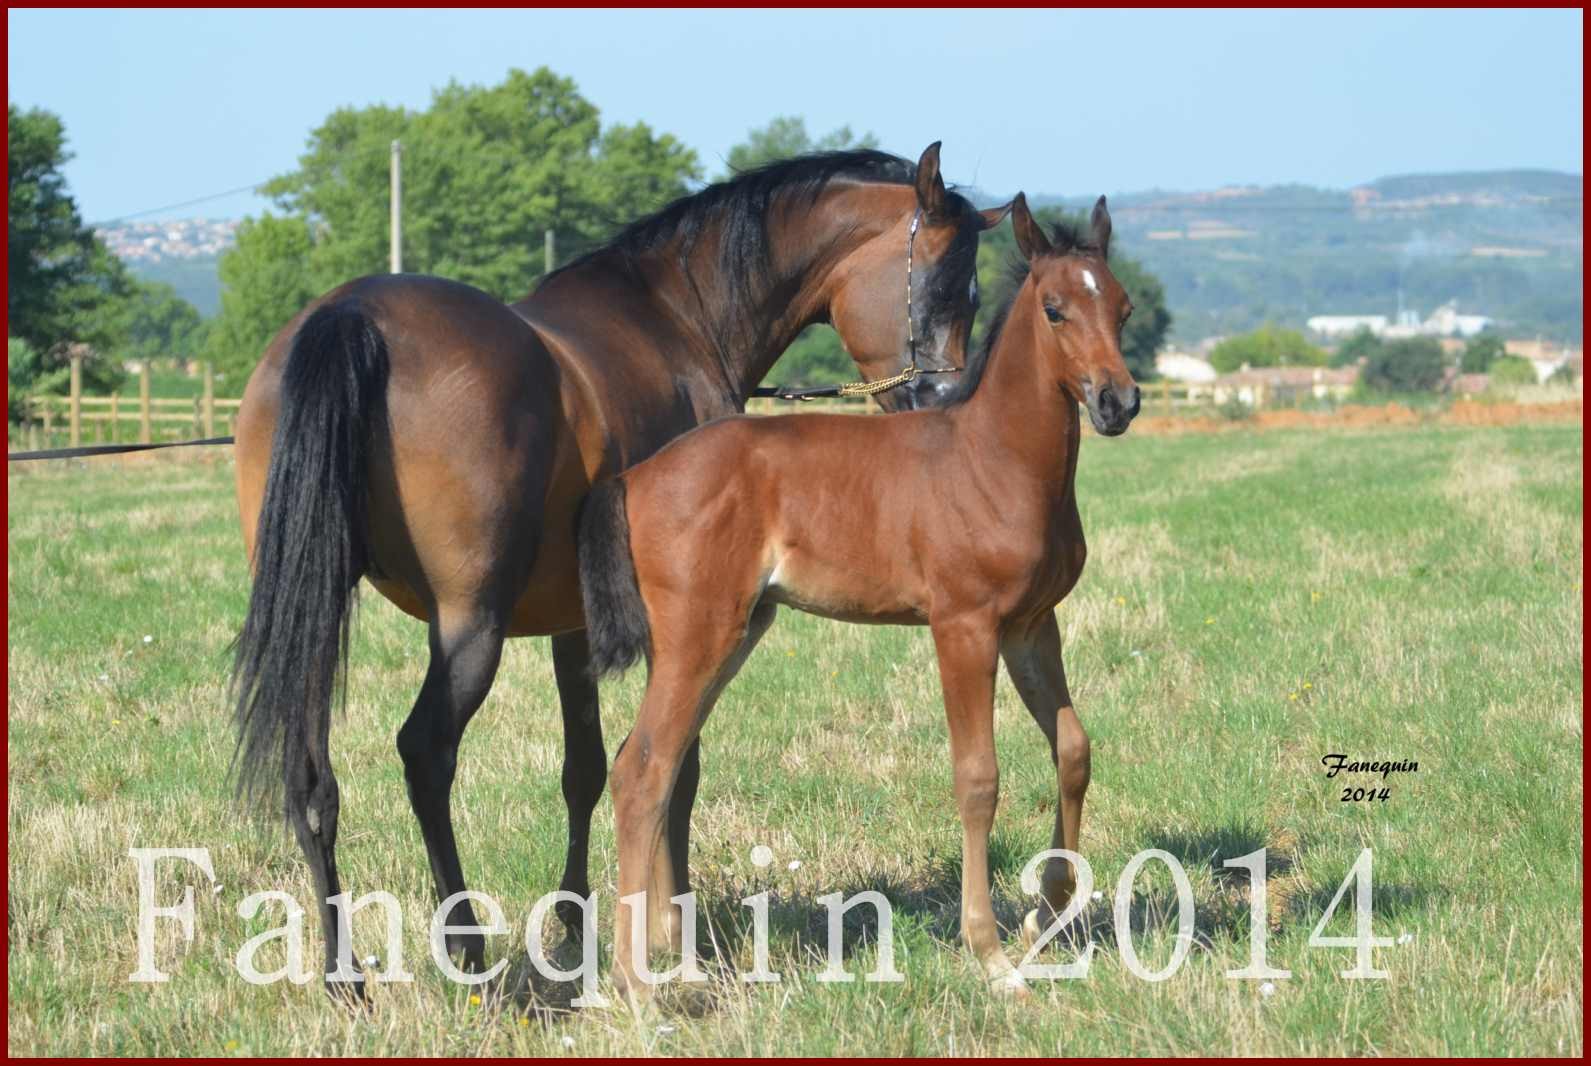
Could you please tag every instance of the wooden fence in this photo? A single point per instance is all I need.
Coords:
(104, 417)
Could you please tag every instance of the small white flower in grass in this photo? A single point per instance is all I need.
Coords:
(1268, 989)
(1405, 937)
(568, 1041)
(148, 639)
(762, 856)
(665, 1030)
(1136, 654)
(104, 677)
(1099, 895)
(795, 864)
(216, 888)
(372, 962)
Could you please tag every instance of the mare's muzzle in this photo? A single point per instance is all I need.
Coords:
(1111, 409)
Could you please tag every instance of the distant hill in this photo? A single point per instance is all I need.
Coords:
(1506, 243)
(194, 278)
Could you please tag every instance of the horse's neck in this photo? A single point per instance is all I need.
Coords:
(1017, 418)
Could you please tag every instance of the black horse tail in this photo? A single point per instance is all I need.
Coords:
(309, 550)
(617, 629)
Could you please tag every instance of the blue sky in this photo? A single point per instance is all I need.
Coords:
(165, 106)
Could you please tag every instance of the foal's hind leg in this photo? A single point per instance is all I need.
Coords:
(683, 798)
(465, 649)
(1034, 661)
(692, 659)
(585, 765)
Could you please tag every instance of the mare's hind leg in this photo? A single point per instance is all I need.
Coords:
(1033, 660)
(312, 804)
(585, 765)
(465, 648)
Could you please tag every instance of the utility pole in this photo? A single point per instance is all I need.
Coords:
(551, 250)
(396, 253)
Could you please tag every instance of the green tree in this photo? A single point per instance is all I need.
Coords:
(486, 172)
(61, 278)
(1411, 365)
(65, 290)
(787, 136)
(1481, 352)
(1269, 345)
(1362, 345)
(1512, 370)
(265, 281)
(157, 323)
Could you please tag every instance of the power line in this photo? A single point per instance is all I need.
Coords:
(184, 203)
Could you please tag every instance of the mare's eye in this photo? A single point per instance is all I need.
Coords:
(1053, 315)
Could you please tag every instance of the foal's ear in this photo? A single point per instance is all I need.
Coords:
(1099, 225)
(930, 186)
(994, 215)
(1030, 239)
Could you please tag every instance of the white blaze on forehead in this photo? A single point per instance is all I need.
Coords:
(1089, 283)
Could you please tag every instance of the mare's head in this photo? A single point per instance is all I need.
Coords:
(934, 232)
(1083, 309)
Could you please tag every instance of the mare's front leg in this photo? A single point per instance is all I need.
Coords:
(968, 658)
(1034, 661)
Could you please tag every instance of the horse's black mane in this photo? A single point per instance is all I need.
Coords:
(740, 206)
(1068, 237)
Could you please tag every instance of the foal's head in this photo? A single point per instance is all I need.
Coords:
(868, 306)
(1084, 309)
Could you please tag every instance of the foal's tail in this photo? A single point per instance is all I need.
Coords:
(309, 549)
(616, 625)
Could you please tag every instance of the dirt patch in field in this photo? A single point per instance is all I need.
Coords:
(1462, 413)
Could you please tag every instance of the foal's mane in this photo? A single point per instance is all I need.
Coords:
(1068, 236)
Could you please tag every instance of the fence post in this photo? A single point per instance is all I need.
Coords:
(46, 403)
(209, 399)
(115, 417)
(75, 403)
(144, 435)
(1165, 396)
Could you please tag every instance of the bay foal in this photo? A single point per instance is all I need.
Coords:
(963, 518)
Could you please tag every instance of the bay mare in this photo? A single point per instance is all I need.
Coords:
(962, 518)
(424, 435)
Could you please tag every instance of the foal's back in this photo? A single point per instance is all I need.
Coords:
(822, 512)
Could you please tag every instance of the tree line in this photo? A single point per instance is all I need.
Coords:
(487, 171)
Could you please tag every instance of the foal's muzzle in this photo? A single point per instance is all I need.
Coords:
(1111, 409)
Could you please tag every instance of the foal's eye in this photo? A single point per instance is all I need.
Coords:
(1053, 315)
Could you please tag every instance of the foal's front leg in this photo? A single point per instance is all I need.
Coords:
(967, 650)
(1033, 660)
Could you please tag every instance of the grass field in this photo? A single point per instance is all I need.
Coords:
(1253, 601)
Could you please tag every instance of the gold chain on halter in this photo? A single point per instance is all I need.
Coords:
(871, 388)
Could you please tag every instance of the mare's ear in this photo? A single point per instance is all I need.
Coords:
(1030, 239)
(1099, 225)
(994, 215)
(930, 186)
